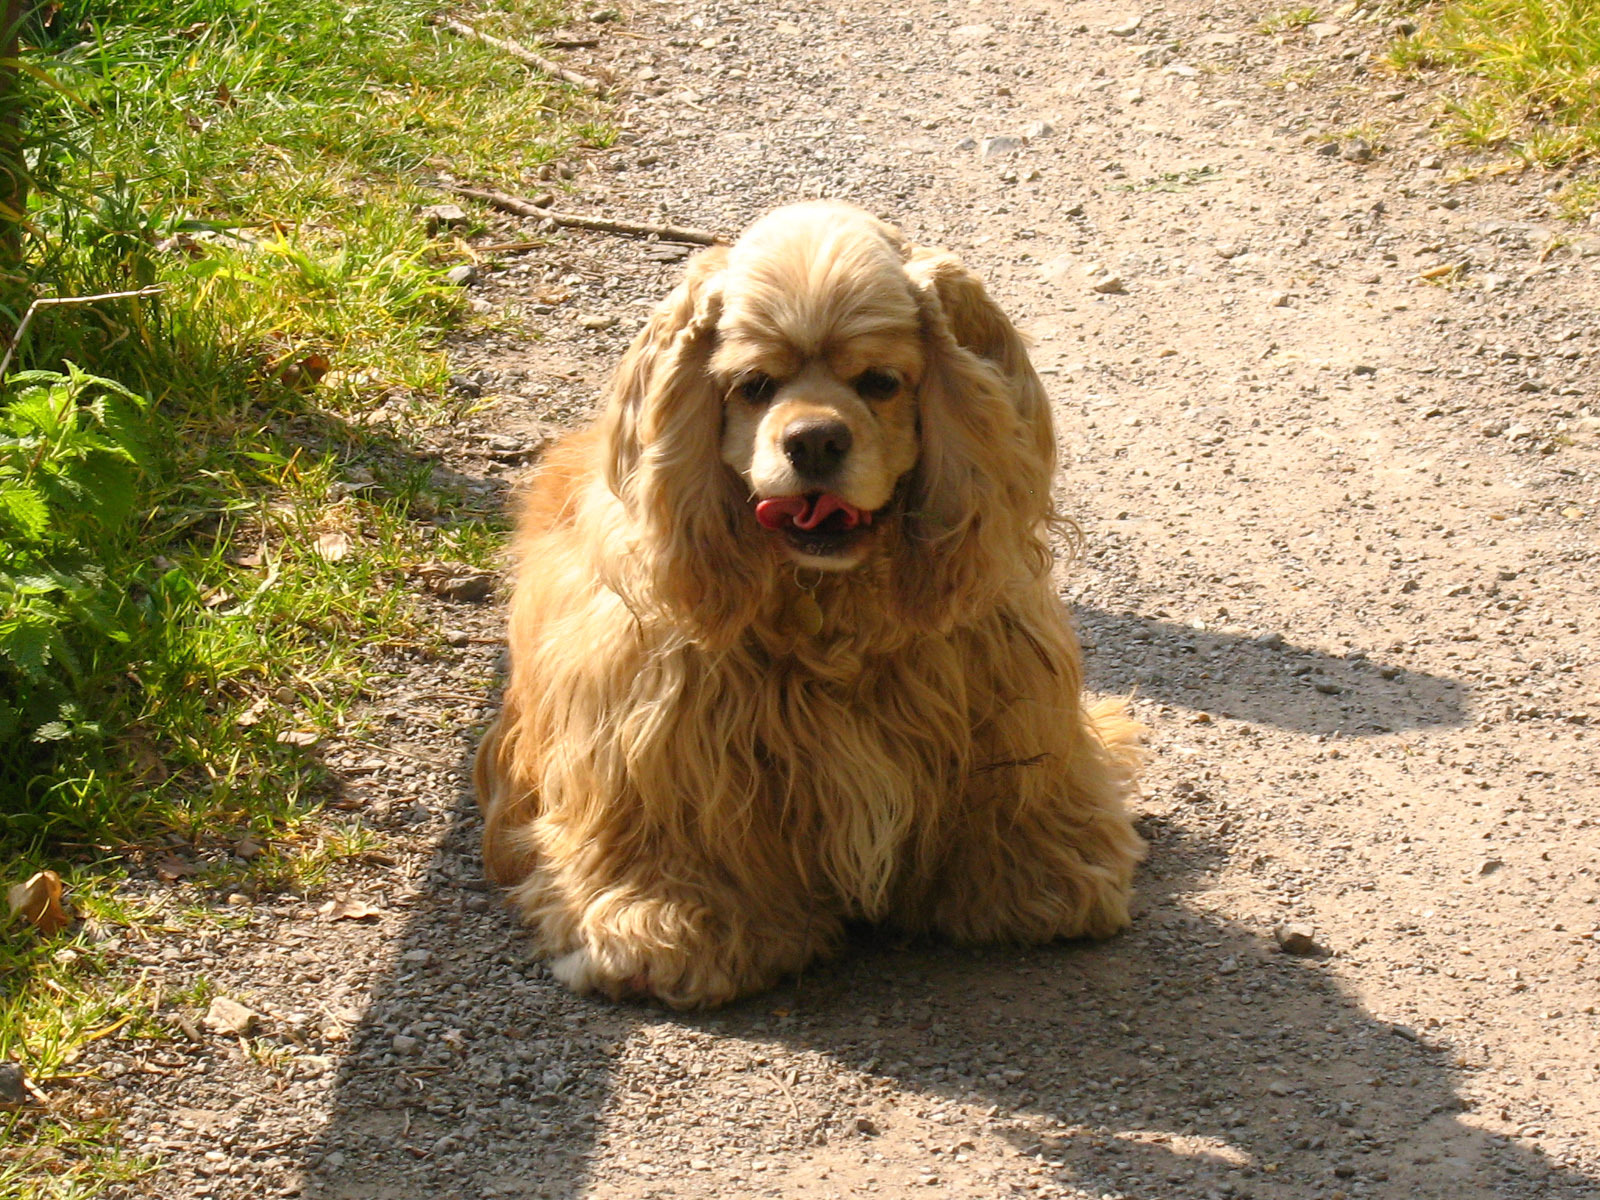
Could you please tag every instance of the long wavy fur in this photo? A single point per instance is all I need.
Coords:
(687, 795)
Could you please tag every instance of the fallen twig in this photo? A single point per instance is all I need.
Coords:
(53, 301)
(521, 53)
(526, 208)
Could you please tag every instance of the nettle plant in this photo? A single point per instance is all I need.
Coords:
(71, 454)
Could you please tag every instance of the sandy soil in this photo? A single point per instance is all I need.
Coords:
(1334, 445)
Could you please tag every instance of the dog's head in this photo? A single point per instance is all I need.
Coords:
(823, 395)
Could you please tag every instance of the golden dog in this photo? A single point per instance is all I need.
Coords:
(785, 651)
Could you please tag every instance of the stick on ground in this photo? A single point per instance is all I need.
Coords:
(527, 208)
(520, 52)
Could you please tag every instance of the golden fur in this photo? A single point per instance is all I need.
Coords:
(691, 786)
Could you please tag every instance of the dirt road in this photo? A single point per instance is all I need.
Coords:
(1333, 440)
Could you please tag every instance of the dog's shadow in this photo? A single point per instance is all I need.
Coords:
(1264, 680)
(1187, 1058)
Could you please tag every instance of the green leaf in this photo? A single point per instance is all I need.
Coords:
(24, 510)
(27, 644)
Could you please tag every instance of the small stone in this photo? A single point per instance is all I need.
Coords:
(1432, 162)
(405, 1044)
(999, 147)
(466, 385)
(1272, 640)
(1109, 285)
(1356, 150)
(866, 1126)
(1328, 149)
(1489, 866)
(231, 1017)
(1322, 29)
(418, 957)
(1278, 300)
(1296, 939)
(1039, 129)
(248, 849)
(967, 143)
(1133, 96)
(457, 637)
(443, 216)
(461, 276)
(13, 1086)
(1126, 27)
(1229, 250)
(1365, 369)
(597, 322)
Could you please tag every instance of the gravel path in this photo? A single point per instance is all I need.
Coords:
(1333, 438)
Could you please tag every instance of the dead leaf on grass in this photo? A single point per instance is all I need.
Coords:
(298, 737)
(456, 581)
(348, 909)
(334, 546)
(253, 714)
(38, 901)
(171, 868)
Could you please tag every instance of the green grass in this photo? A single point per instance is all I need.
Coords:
(1534, 67)
(1289, 20)
(211, 500)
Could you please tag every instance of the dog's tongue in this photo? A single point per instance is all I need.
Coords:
(807, 512)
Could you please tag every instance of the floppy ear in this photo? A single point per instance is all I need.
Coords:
(692, 549)
(978, 505)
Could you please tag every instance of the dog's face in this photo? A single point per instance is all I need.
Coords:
(824, 394)
(819, 361)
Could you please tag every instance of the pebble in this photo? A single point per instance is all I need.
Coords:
(998, 147)
(1278, 299)
(1431, 162)
(13, 1085)
(1108, 285)
(405, 1044)
(1039, 129)
(597, 322)
(1356, 150)
(461, 276)
(1296, 939)
(1126, 27)
(443, 216)
(230, 1017)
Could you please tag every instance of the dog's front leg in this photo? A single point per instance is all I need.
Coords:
(649, 925)
(1043, 847)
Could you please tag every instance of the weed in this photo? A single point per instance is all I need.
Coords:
(1535, 63)
(1289, 20)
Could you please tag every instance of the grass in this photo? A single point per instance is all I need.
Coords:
(1534, 72)
(211, 500)
(1289, 20)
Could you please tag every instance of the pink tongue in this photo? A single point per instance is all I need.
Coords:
(807, 512)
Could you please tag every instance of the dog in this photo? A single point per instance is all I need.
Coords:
(785, 652)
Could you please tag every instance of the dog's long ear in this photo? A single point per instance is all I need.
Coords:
(978, 505)
(691, 551)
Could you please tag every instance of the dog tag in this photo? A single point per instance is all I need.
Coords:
(805, 614)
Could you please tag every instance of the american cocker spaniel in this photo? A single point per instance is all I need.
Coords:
(785, 651)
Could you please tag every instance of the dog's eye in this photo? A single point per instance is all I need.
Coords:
(876, 385)
(757, 388)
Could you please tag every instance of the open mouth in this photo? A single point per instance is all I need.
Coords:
(817, 524)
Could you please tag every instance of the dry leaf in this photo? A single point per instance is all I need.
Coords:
(348, 909)
(334, 547)
(455, 581)
(254, 713)
(172, 868)
(39, 903)
(298, 737)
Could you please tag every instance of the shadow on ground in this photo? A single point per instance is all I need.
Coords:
(1185, 1060)
(1266, 681)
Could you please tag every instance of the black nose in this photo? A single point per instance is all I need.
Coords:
(816, 448)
